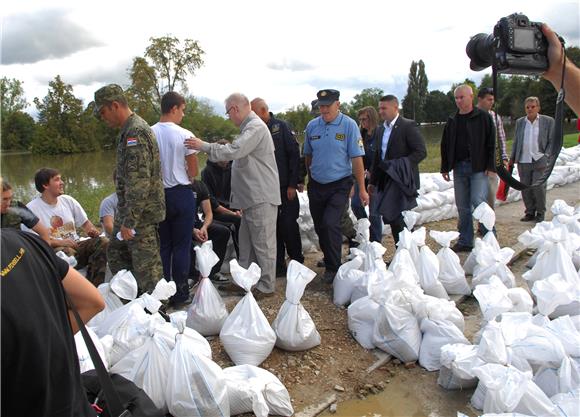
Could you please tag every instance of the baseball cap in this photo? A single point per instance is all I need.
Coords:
(106, 95)
(328, 96)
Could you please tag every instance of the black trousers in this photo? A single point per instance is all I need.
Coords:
(397, 227)
(234, 223)
(287, 231)
(327, 203)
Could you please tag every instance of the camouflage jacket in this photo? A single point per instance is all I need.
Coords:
(138, 179)
(18, 214)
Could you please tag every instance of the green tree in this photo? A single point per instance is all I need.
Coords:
(63, 126)
(414, 101)
(202, 120)
(297, 117)
(17, 130)
(438, 107)
(367, 97)
(11, 95)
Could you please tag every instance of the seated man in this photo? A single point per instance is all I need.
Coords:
(107, 213)
(63, 214)
(40, 368)
(217, 232)
(14, 214)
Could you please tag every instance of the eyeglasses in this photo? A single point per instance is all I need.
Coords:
(229, 110)
(363, 119)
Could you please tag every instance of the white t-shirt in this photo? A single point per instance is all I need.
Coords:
(172, 152)
(62, 218)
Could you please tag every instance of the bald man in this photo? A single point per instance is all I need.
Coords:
(255, 187)
(467, 149)
(287, 154)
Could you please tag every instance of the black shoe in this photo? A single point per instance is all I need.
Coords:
(528, 218)
(179, 303)
(321, 263)
(461, 248)
(539, 218)
(259, 295)
(328, 277)
(281, 272)
(353, 243)
(232, 288)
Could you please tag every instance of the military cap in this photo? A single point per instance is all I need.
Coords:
(106, 95)
(326, 97)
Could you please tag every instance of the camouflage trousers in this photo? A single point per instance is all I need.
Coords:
(139, 255)
(91, 253)
(346, 224)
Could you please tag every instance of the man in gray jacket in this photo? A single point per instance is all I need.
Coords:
(255, 186)
(533, 134)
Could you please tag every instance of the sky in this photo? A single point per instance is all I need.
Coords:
(283, 52)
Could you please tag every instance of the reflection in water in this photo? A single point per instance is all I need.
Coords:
(82, 173)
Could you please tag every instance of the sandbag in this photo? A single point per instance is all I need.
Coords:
(346, 276)
(493, 298)
(85, 361)
(397, 332)
(436, 334)
(451, 274)
(556, 296)
(361, 320)
(295, 329)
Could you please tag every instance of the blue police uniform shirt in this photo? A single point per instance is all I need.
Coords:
(332, 146)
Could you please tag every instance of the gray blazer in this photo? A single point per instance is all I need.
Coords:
(546, 131)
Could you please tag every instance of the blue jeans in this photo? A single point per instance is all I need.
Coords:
(470, 191)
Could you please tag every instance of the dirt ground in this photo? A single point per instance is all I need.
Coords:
(338, 366)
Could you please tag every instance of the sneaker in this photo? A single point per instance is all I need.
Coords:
(461, 248)
(219, 278)
(528, 218)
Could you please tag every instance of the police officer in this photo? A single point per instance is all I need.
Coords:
(287, 154)
(333, 150)
(139, 190)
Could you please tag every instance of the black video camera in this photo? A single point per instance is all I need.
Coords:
(517, 46)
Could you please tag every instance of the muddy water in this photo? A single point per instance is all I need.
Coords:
(413, 395)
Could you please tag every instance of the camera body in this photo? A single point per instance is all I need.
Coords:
(517, 46)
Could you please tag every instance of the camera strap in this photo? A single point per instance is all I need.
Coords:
(554, 145)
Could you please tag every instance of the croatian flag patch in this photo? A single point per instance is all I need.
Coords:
(131, 141)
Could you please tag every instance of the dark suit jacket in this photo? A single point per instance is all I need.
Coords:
(405, 141)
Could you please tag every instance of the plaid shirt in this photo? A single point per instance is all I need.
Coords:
(500, 134)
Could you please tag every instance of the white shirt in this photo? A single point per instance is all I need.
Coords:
(387, 135)
(530, 151)
(172, 152)
(61, 218)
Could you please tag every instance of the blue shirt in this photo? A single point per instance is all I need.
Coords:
(332, 146)
(387, 135)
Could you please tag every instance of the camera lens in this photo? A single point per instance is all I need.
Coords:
(480, 50)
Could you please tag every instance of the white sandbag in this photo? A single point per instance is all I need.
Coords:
(147, 367)
(521, 300)
(478, 398)
(253, 389)
(429, 272)
(112, 303)
(485, 214)
(435, 335)
(397, 332)
(295, 329)
(459, 359)
(492, 263)
(246, 334)
(346, 276)
(451, 274)
(563, 328)
(510, 390)
(402, 266)
(196, 386)
(556, 296)
(568, 403)
(493, 298)
(85, 361)
(410, 218)
(361, 320)
(169, 331)
(487, 243)
(558, 380)
(492, 348)
(124, 285)
(417, 240)
(207, 312)
(539, 347)
(426, 306)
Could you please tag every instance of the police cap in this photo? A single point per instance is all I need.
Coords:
(327, 97)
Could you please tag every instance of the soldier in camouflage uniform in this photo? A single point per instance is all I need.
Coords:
(139, 190)
(13, 213)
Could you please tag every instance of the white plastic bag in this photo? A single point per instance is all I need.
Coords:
(436, 334)
(493, 298)
(563, 328)
(457, 362)
(253, 389)
(246, 334)
(85, 361)
(492, 348)
(346, 276)
(451, 274)
(558, 380)
(556, 296)
(397, 332)
(196, 386)
(207, 312)
(295, 329)
(122, 286)
(402, 266)
(492, 263)
(361, 320)
(429, 272)
(485, 214)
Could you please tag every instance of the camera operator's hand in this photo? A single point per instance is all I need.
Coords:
(554, 73)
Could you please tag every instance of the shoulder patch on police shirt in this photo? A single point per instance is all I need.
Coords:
(340, 136)
(360, 143)
(132, 141)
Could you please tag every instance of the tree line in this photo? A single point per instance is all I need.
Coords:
(64, 125)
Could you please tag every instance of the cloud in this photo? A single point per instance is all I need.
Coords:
(48, 34)
(289, 65)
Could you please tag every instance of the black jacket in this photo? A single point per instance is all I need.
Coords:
(481, 142)
(218, 181)
(400, 191)
(287, 152)
(405, 141)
